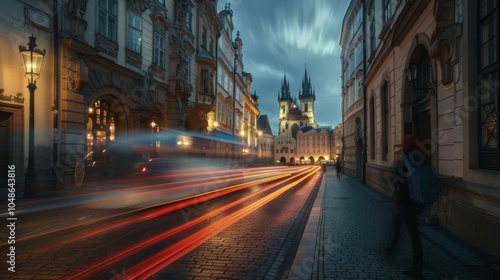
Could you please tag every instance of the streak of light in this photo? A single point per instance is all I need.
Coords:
(89, 199)
(162, 210)
(155, 263)
(101, 264)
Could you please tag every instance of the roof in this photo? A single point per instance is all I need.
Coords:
(263, 125)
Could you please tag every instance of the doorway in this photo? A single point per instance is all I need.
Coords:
(5, 146)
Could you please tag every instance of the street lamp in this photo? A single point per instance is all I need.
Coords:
(413, 74)
(32, 60)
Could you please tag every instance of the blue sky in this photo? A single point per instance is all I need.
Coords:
(288, 36)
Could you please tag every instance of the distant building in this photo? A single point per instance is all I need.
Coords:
(266, 141)
(352, 57)
(236, 107)
(337, 142)
(299, 138)
(313, 145)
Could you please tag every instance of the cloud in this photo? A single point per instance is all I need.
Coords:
(263, 69)
(285, 37)
(305, 26)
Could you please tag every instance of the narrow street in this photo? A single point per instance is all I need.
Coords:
(244, 229)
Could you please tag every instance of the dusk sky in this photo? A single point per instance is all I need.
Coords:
(288, 36)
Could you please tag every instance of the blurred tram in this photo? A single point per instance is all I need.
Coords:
(216, 144)
(161, 152)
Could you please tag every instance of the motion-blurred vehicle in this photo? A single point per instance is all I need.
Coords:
(162, 153)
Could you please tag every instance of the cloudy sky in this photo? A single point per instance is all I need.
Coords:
(288, 36)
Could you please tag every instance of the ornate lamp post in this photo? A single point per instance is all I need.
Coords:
(32, 60)
(413, 73)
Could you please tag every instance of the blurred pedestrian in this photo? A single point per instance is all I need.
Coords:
(408, 212)
(338, 168)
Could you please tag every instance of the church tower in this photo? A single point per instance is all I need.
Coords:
(307, 96)
(285, 102)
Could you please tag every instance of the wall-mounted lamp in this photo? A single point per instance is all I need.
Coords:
(413, 75)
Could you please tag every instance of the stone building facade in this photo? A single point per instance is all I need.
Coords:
(352, 61)
(432, 71)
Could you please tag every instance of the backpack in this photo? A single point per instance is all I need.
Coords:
(422, 183)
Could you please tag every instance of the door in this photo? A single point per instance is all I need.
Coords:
(5, 156)
(422, 128)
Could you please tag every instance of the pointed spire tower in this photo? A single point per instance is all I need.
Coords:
(284, 99)
(307, 97)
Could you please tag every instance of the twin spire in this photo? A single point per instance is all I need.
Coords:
(305, 92)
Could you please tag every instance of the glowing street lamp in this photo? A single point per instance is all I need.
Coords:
(32, 61)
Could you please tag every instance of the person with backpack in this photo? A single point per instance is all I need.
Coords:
(408, 211)
(338, 168)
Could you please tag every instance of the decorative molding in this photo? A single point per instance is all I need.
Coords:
(106, 45)
(138, 6)
(77, 74)
(443, 37)
(133, 58)
(142, 92)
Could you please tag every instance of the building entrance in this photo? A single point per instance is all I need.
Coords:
(5, 157)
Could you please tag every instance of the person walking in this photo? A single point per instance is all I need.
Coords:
(338, 168)
(408, 212)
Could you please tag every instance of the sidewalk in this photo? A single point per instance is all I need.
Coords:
(349, 226)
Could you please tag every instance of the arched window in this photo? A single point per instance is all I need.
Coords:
(100, 127)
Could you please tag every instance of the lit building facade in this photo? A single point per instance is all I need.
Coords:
(313, 145)
(294, 114)
(266, 141)
(237, 109)
(114, 72)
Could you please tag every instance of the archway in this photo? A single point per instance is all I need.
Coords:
(283, 161)
(106, 124)
(302, 160)
(417, 102)
(311, 160)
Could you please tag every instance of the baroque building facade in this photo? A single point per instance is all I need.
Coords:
(237, 108)
(432, 71)
(114, 72)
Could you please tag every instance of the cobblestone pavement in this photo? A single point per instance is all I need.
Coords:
(349, 227)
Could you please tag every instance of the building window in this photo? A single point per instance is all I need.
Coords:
(107, 19)
(488, 81)
(203, 37)
(384, 107)
(183, 14)
(372, 128)
(211, 45)
(204, 82)
(387, 9)
(159, 50)
(372, 35)
(134, 32)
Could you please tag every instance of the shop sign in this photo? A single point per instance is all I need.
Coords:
(18, 98)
